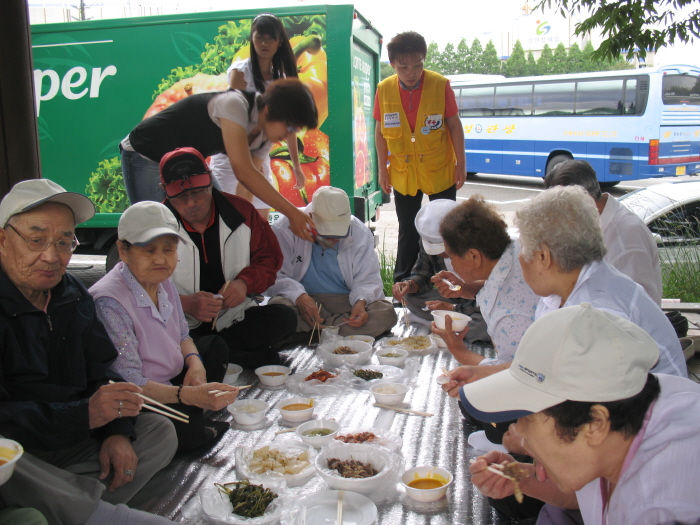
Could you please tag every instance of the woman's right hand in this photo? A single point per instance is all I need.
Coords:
(199, 396)
(489, 483)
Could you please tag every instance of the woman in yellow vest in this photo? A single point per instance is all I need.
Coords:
(419, 134)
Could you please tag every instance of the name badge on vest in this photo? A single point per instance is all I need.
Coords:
(392, 120)
(433, 122)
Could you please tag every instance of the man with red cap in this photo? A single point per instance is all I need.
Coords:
(233, 257)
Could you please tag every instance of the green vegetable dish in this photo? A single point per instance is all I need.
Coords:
(247, 500)
(368, 375)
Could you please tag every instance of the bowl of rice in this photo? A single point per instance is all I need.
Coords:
(389, 393)
(248, 411)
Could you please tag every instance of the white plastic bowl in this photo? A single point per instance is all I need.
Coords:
(459, 320)
(366, 338)
(380, 458)
(426, 472)
(15, 452)
(272, 380)
(318, 441)
(392, 361)
(325, 352)
(296, 416)
(389, 399)
(232, 373)
(246, 418)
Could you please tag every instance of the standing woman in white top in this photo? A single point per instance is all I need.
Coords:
(271, 58)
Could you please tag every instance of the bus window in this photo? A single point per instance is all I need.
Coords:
(630, 96)
(476, 102)
(680, 89)
(554, 99)
(600, 97)
(514, 100)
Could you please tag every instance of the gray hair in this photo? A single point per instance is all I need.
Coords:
(574, 173)
(565, 220)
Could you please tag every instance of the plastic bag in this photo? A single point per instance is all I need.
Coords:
(217, 505)
(244, 456)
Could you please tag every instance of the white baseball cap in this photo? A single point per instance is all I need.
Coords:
(146, 220)
(331, 211)
(428, 222)
(577, 353)
(29, 194)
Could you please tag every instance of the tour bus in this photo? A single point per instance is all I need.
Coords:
(630, 124)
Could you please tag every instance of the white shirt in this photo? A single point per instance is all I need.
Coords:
(219, 164)
(357, 261)
(660, 480)
(507, 304)
(631, 247)
(605, 288)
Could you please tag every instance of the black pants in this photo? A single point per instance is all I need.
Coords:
(201, 429)
(250, 341)
(407, 207)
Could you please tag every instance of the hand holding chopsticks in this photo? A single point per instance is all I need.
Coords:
(220, 393)
(166, 410)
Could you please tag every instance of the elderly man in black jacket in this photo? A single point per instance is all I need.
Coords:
(80, 432)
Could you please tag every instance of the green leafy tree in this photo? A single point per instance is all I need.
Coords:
(560, 60)
(632, 25)
(516, 65)
(477, 60)
(589, 61)
(432, 58)
(492, 63)
(545, 64)
(385, 70)
(449, 60)
(575, 59)
(532, 69)
(463, 56)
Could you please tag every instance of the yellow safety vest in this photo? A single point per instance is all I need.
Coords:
(423, 159)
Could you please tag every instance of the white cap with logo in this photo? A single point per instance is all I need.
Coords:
(29, 194)
(331, 211)
(577, 353)
(428, 222)
(146, 220)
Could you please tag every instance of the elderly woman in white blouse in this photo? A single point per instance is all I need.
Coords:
(141, 311)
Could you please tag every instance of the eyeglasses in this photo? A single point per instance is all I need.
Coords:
(41, 244)
(190, 195)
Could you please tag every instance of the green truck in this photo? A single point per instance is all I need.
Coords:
(95, 80)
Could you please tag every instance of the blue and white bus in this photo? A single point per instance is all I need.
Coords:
(630, 124)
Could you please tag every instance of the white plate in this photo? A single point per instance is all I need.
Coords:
(322, 508)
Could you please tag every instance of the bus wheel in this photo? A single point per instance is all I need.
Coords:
(112, 257)
(557, 159)
(471, 174)
(610, 184)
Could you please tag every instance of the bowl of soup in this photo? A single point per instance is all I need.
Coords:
(248, 411)
(272, 375)
(426, 483)
(296, 409)
(10, 452)
(459, 320)
(392, 356)
(318, 432)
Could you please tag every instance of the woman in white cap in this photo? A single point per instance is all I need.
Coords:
(141, 311)
(609, 438)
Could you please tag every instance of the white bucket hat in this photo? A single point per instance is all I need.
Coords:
(29, 194)
(577, 353)
(428, 222)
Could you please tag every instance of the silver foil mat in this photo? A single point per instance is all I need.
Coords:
(440, 440)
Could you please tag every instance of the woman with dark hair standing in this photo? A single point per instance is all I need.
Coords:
(271, 58)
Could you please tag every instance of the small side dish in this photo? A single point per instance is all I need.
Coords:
(247, 499)
(344, 350)
(350, 468)
(360, 437)
(321, 375)
(268, 459)
(367, 374)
